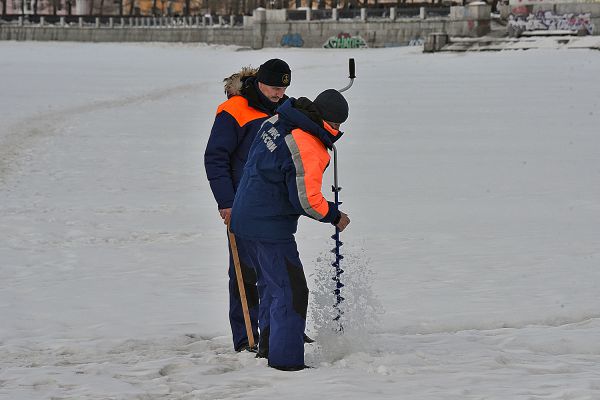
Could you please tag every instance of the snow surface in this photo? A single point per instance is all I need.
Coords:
(472, 182)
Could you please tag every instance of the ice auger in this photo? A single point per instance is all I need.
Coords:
(336, 236)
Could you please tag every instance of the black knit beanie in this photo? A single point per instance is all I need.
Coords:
(275, 72)
(332, 106)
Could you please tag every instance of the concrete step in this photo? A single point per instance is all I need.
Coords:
(549, 33)
(488, 43)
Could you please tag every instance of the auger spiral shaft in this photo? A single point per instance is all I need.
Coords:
(336, 236)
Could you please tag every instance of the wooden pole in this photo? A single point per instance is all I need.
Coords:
(242, 289)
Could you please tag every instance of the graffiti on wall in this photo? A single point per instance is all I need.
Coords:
(345, 41)
(547, 21)
(416, 42)
(292, 40)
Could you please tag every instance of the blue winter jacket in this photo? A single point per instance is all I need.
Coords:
(236, 123)
(283, 177)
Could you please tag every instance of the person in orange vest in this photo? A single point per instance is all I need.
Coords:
(282, 181)
(253, 96)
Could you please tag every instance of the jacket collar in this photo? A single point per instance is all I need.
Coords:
(255, 97)
(297, 119)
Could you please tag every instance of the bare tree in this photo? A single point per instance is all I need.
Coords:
(249, 6)
(101, 7)
(34, 6)
(235, 7)
(131, 7)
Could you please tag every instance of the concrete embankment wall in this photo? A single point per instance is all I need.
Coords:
(263, 30)
(239, 36)
(462, 21)
(374, 34)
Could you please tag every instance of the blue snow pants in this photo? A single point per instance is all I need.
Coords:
(236, 313)
(283, 297)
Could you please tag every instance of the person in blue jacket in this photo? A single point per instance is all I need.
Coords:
(282, 180)
(253, 96)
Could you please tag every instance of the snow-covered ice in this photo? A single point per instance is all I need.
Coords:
(472, 182)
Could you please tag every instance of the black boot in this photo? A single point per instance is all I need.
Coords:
(290, 368)
(263, 348)
(246, 347)
(307, 339)
(262, 353)
(263, 344)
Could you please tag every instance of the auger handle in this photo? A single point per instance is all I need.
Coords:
(352, 71)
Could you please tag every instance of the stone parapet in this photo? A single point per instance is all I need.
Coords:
(269, 28)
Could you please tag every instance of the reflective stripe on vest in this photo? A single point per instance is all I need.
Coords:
(310, 159)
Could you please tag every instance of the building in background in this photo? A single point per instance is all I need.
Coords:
(130, 7)
(42, 7)
(180, 7)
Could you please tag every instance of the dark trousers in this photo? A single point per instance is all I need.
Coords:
(236, 314)
(283, 297)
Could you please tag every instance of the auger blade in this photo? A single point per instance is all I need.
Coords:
(338, 242)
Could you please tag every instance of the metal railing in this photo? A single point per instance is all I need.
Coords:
(137, 21)
(370, 13)
(320, 15)
(349, 13)
(296, 15)
(409, 12)
(223, 20)
(443, 11)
